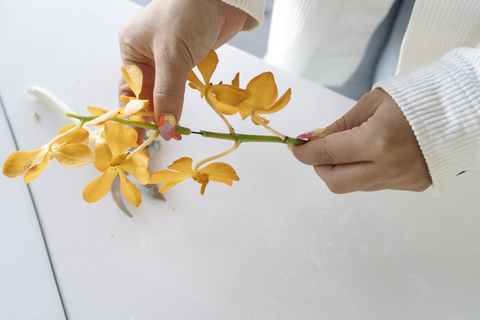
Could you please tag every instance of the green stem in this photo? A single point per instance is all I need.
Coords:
(206, 134)
(251, 138)
(151, 126)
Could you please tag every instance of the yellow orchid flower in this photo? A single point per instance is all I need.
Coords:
(226, 98)
(119, 139)
(101, 147)
(217, 171)
(261, 98)
(70, 149)
(133, 76)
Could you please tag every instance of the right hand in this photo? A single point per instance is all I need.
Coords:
(166, 40)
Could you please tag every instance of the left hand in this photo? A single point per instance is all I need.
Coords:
(372, 147)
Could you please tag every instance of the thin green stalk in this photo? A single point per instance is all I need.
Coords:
(151, 126)
(206, 134)
(251, 138)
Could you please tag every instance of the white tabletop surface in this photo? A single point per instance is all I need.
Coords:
(276, 245)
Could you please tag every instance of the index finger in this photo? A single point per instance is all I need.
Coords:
(347, 146)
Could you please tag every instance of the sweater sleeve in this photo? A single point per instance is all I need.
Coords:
(255, 10)
(441, 101)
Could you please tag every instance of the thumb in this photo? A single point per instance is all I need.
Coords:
(169, 91)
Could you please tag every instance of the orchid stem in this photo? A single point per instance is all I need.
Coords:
(263, 124)
(210, 103)
(78, 126)
(206, 134)
(223, 154)
(151, 126)
(144, 144)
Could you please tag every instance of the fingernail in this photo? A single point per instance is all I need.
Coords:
(312, 134)
(166, 126)
(177, 137)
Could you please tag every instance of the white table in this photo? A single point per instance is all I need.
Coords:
(276, 245)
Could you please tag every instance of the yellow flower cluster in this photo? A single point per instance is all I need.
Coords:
(117, 152)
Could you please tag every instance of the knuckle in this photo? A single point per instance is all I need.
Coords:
(339, 124)
(334, 184)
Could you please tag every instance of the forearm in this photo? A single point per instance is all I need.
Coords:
(441, 102)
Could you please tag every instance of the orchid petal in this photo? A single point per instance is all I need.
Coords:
(261, 118)
(133, 76)
(19, 162)
(262, 91)
(236, 80)
(120, 138)
(127, 99)
(168, 185)
(183, 165)
(103, 155)
(99, 187)
(220, 179)
(221, 170)
(207, 66)
(74, 155)
(110, 115)
(137, 118)
(204, 185)
(134, 107)
(96, 111)
(78, 136)
(228, 95)
(223, 108)
(195, 83)
(129, 190)
(34, 171)
(280, 104)
(168, 178)
(137, 166)
(242, 109)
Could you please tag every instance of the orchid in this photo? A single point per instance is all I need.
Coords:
(262, 96)
(182, 169)
(115, 137)
(119, 139)
(69, 147)
(223, 98)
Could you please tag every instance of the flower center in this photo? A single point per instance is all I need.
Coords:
(118, 160)
(200, 178)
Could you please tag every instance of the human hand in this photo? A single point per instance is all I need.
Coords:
(372, 147)
(166, 40)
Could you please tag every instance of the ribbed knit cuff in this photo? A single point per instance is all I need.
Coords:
(255, 10)
(441, 101)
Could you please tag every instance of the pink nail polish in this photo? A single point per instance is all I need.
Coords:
(166, 126)
(311, 134)
(177, 137)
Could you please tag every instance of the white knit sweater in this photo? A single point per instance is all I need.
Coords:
(438, 76)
